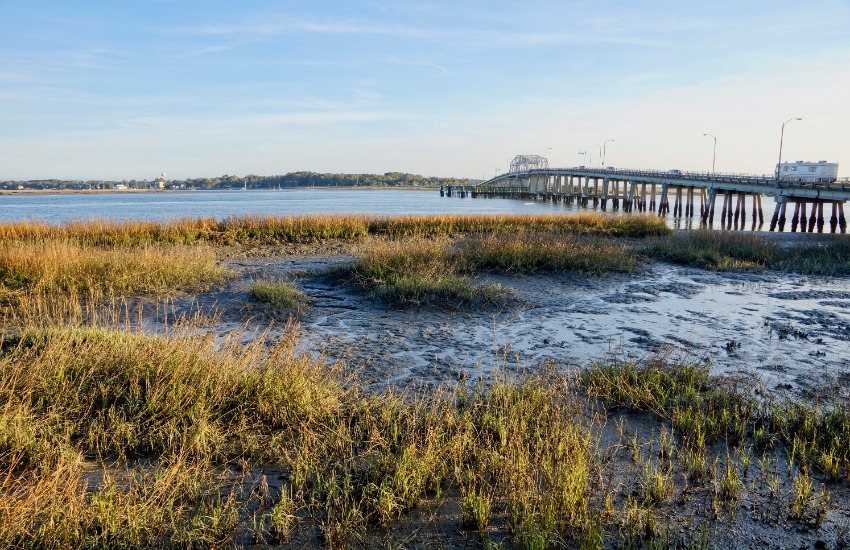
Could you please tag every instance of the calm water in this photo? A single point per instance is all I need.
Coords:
(221, 204)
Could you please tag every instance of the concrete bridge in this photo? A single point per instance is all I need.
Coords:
(656, 191)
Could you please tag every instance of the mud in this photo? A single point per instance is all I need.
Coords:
(785, 330)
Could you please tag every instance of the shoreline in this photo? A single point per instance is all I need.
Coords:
(137, 191)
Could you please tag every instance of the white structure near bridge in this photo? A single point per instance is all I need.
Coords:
(804, 171)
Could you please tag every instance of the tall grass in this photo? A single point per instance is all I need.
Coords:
(723, 251)
(51, 282)
(185, 404)
(419, 271)
(704, 409)
(272, 230)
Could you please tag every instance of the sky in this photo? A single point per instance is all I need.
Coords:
(126, 90)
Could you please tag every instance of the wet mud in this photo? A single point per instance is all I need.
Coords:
(791, 333)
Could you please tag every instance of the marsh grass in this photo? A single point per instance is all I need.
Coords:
(276, 230)
(423, 271)
(278, 293)
(704, 409)
(716, 250)
(724, 251)
(51, 282)
(420, 272)
(188, 409)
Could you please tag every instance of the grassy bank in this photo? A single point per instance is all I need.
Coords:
(422, 271)
(276, 230)
(522, 460)
(353, 460)
(725, 251)
(48, 282)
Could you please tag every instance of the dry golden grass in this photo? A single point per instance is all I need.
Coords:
(274, 230)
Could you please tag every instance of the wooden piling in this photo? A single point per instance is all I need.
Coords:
(803, 216)
(842, 222)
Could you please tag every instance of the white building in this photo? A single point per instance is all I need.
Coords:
(805, 171)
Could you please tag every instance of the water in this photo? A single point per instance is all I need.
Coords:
(59, 208)
(160, 206)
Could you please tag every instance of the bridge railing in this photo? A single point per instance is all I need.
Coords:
(718, 177)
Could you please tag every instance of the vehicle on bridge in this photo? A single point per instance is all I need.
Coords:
(809, 172)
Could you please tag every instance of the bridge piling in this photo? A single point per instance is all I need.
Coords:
(813, 218)
(803, 216)
(820, 217)
(709, 212)
(794, 219)
(842, 223)
(742, 202)
(690, 207)
(782, 207)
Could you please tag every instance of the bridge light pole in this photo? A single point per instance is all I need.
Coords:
(714, 153)
(604, 143)
(600, 153)
(781, 138)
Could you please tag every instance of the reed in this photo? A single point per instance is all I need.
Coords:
(278, 293)
(717, 250)
(417, 271)
(276, 230)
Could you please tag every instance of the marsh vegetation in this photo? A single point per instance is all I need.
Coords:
(111, 436)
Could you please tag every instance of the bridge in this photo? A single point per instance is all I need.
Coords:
(530, 177)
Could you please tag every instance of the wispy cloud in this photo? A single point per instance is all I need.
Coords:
(496, 37)
(204, 51)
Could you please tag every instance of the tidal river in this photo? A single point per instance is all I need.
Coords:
(165, 205)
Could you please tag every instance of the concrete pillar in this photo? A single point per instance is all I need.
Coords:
(814, 216)
(709, 210)
(782, 207)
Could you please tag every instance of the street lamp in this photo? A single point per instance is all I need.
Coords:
(714, 154)
(600, 152)
(604, 143)
(781, 138)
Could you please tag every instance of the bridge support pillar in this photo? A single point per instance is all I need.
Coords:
(795, 218)
(605, 183)
(689, 208)
(709, 208)
(782, 208)
(652, 198)
(814, 216)
(842, 223)
(726, 207)
(663, 207)
(833, 221)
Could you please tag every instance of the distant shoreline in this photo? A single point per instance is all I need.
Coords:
(134, 191)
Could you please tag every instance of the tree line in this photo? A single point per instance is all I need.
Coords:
(292, 179)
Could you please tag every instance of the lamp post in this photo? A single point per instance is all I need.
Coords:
(714, 153)
(600, 152)
(781, 139)
(604, 143)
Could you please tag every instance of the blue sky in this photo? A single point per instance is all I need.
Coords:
(126, 90)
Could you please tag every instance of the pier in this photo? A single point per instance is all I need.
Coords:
(730, 197)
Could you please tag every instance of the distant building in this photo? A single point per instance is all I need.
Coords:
(805, 171)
